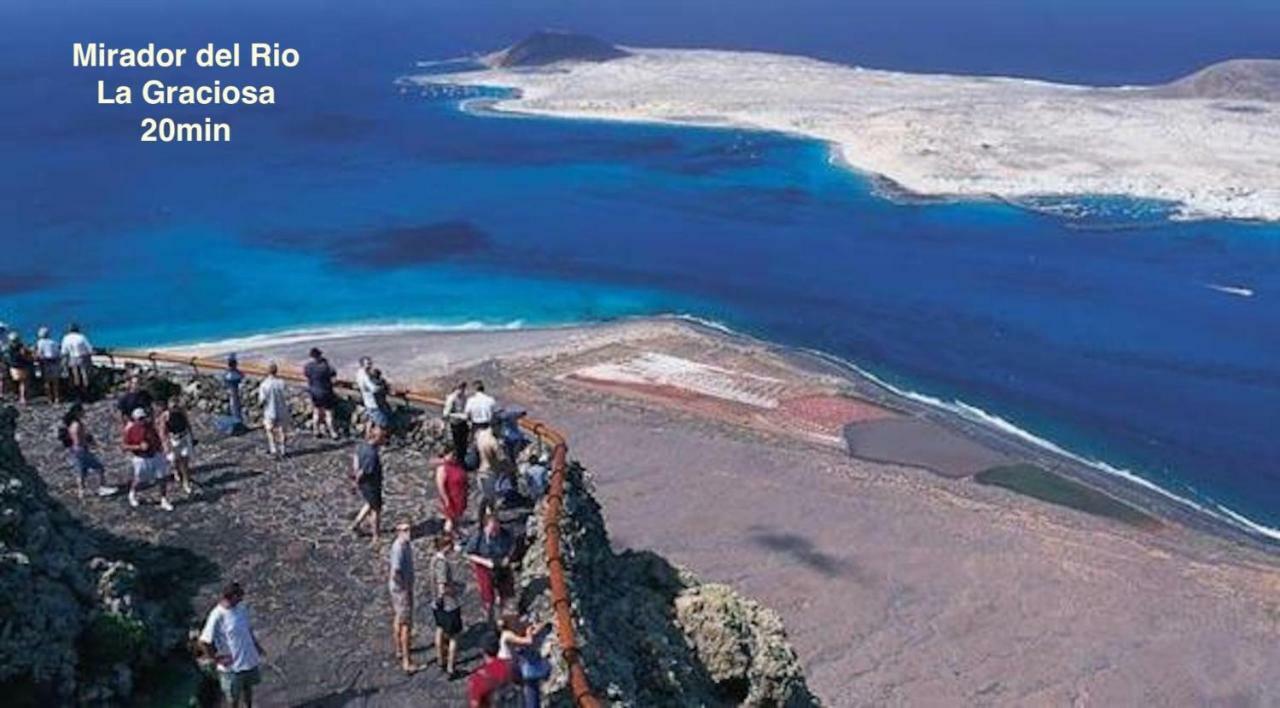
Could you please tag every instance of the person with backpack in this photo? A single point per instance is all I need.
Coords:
(79, 443)
(179, 442)
(490, 554)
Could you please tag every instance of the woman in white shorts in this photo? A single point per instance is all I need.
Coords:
(175, 430)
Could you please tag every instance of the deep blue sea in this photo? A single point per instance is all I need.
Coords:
(350, 202)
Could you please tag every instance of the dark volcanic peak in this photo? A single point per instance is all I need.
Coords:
(551, 46)
(1237, 79)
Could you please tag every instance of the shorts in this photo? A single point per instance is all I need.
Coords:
(149, 469)
(327, 400)
(402, 606)
(17, 373)
(82, 364)
(379, 417)
(371, 492)
(181, 447)
(234, 683)
(85, 462)
(272, 422)
(50, 369)
(449, 621)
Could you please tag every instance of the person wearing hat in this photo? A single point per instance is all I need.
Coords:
(400, 578)
(19, 361)
(49, 364)
(142, 442)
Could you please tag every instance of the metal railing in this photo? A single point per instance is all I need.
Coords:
(561, 605)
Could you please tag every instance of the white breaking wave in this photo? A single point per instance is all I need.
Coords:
(1231, 289)
(977, 415)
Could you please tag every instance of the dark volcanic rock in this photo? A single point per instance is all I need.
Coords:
(551, 46)
(1238, 79)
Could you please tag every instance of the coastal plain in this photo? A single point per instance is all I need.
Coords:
(900, 582)
(1214, 153)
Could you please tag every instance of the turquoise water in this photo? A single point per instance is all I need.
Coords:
(1106, 331)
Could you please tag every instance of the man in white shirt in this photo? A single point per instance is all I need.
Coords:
(228, 637)
(275, 410)
(78, 353)
(479, 410)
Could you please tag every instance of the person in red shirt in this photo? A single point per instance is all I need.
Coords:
(142, 442)
(491, 676)
(451, 488)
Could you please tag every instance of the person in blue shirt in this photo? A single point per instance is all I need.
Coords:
(232, 378)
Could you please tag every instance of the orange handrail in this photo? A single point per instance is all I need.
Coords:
(561, 605)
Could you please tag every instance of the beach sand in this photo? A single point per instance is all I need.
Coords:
(935, 134)
(901, 580)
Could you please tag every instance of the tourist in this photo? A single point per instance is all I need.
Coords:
(451, 488)
(400, 579)
(228, 638)
(49, 364)
(18, 359)
(479, 409)
(79, 443)
(490, 554)
(320, 376)
(180, 443)
(367, 384)
(447, 609)
(381, 389)
(366, 465)
(275, 411)
(142, 442)
(133, 398)
(519, 644)
(232, 378)
(77, 354)
(455, 416)
(490, 677)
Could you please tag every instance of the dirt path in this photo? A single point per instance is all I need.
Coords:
(318, 593)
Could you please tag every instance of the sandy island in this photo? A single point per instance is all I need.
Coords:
(940, 135)
(901, 577)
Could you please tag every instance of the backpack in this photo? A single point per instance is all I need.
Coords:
(64, 435)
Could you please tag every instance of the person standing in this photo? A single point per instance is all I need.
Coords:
(142, 442)
(49, 364)
(455, 415)
(79, 443)
(228, 638)
(180, 443)
(446, 609)
(320, 376)
(480, 409)
(490, 552)
(232, 378)
(368, 388)
(77, 354)
(400, 579)
(366, 466)
(275, 411)
(18, 359)
(451, 488)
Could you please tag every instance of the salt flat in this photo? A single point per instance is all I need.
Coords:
(940, 135)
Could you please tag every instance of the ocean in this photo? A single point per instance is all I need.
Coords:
(1095, 323)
